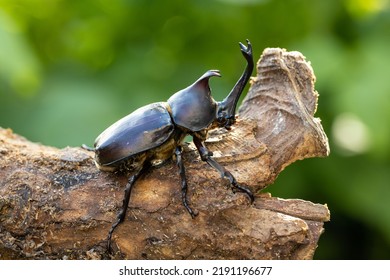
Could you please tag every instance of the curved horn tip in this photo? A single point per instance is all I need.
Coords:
(211, 73)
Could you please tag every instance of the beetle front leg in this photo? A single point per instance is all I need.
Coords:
(184, 186)
(122, 213)
(205, 155)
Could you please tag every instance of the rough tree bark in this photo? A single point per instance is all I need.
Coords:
(55, 204)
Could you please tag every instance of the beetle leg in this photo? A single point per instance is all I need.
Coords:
(206, 156)
(184, 186)
(122, 213)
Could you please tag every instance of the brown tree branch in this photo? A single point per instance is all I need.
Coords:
(55, 204)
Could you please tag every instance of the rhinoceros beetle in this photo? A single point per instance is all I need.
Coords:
(153, 134)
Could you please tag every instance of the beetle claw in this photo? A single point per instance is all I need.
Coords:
(194, 214)
(250, 195)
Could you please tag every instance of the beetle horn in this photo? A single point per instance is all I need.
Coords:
(209, 74)
(227, 107)
(203, 82)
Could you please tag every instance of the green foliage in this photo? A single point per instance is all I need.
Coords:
(68, 69)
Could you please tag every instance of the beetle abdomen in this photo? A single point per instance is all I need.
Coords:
(144, 129)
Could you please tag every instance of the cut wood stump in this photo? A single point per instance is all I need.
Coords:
(55, 204)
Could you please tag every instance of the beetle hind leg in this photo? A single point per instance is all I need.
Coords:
(122, 213)
(184, 186)
(205, 155)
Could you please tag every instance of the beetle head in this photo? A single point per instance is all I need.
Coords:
(226, 110)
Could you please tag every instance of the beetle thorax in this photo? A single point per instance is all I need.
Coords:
(193, 108)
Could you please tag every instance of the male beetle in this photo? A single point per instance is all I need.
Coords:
(154, 133)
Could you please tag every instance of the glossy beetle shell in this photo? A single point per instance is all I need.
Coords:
(146, 128)
(193, 107)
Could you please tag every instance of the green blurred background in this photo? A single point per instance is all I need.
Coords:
(68, 69)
